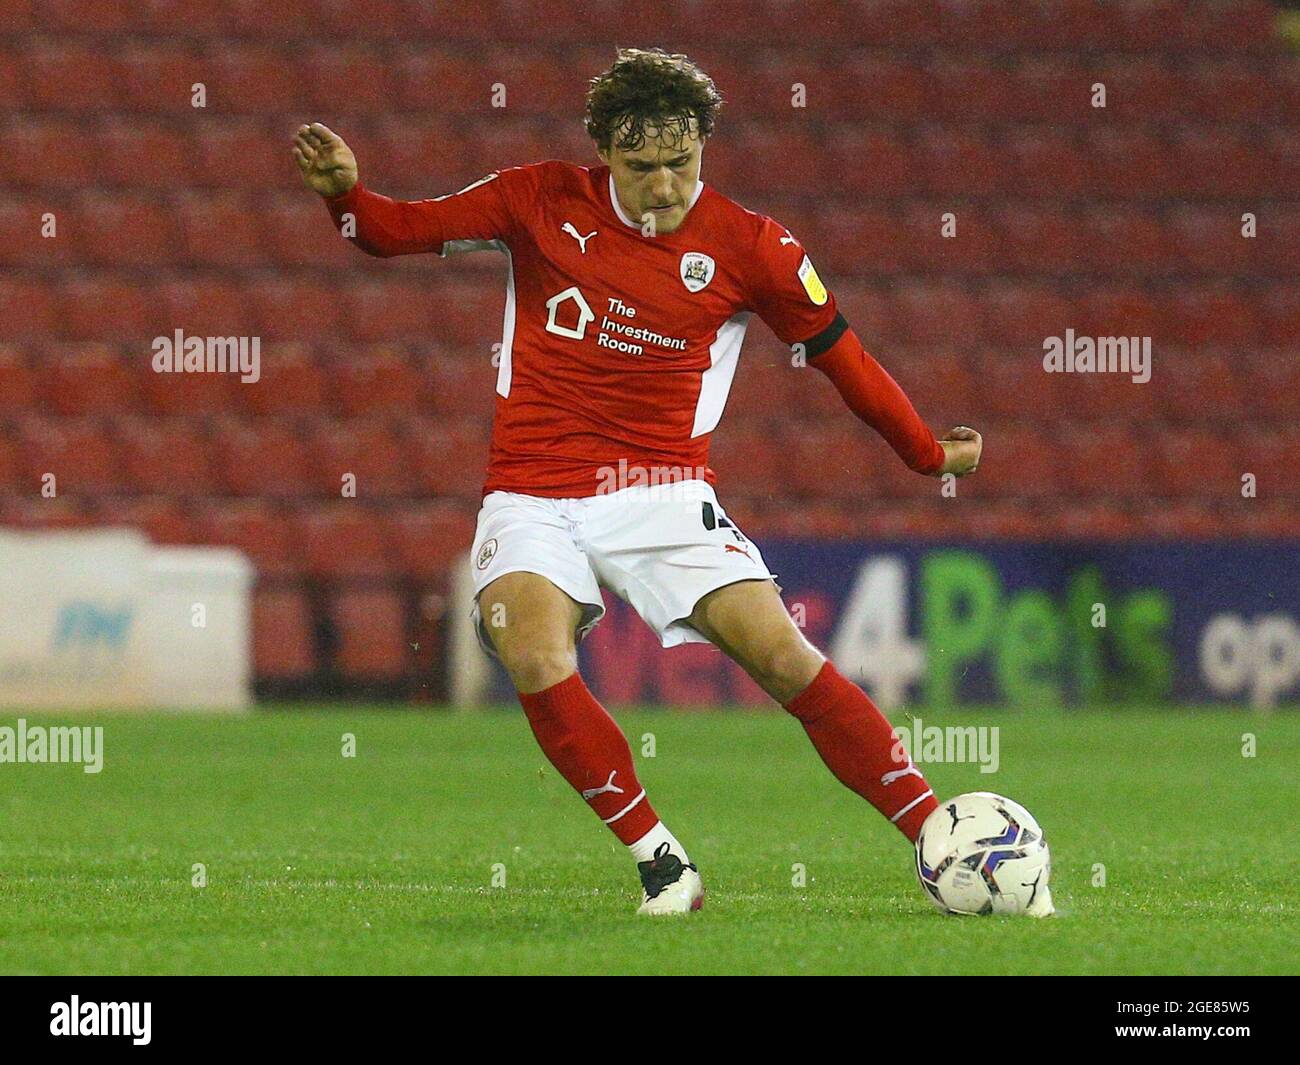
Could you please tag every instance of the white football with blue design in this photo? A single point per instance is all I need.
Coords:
(982, 853)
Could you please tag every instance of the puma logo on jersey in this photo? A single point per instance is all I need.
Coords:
(608, 787)
(787, 239)
(582, 241)
(899, 774)
(738, 550)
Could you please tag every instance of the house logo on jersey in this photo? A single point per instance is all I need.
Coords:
(812, 284)
(487, 553)
(697, 270)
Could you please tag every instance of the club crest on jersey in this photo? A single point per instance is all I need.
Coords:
(697, 270)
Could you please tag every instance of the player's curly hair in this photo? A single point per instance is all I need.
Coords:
(650, 87)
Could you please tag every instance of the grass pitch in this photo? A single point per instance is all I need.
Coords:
(385, 862)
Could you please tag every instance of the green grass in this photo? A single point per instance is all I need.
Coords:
(383, 863)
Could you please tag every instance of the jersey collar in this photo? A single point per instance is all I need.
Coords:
(622, 215)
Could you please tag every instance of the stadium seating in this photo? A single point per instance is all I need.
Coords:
(1122, 221)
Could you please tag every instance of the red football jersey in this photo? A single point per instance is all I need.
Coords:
(618, 347)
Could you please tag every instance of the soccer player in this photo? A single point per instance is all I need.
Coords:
(631, 286)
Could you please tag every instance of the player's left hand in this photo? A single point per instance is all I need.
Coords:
(961, 447)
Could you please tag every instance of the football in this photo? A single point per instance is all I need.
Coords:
(982, 853)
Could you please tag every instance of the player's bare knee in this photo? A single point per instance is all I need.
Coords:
(536, 668)
(785, 667)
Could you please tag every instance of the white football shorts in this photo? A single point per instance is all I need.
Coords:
(660, 548)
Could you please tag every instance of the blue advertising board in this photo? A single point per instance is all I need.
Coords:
(1003, 624)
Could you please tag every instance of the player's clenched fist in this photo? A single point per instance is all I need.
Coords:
(961, 449)
(326, 162)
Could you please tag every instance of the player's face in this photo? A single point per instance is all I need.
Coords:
(657, 180)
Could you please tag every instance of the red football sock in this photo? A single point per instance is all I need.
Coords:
(857, 744)
(588, 748)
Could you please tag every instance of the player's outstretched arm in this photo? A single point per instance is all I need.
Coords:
(382, 226)
(875, 397)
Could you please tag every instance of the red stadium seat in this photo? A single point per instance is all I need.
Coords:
(448, 458)
(371, 629)
(12, 477)
(1120, 310)
(18, 388)
(136, 154)
(1106, 461)
(218, 229)
(297, 230)
(975, 248)
(127, 230)
(380, 379)
(299, 309)
(1230, 91)
(63, 75)
(1212, 314)
(1216, 162)
(34, 512)
(426, 152)
(861, 241)
(1139, 87)
(1128, 163)
(49, 153)
(202, 306)
(1038, 241)
(342, 539)
(937, 314)
(1209, 239)
(88, 379)
(745, 458)
(955, 162)
(1271, 378)
(1020, 316)
(23, 242)
(1045, 163)
(265, 457)
(460, 385)
(162, 519)
(77, 451)
(28, 310)
(881, 85)
(966, 89)
(1053, 89)
(369, 450)
(255, 527)
(109, 307)
(158, 77)
(427, 539)
(255, 79)
(247, 156)
(1279, 310)
(450, 77)
(283, 634)
(1014, 383)
(342, 74)
(291, 382)
(869, 162)
(1197, 386)
(166, 456)
(1194, 463)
